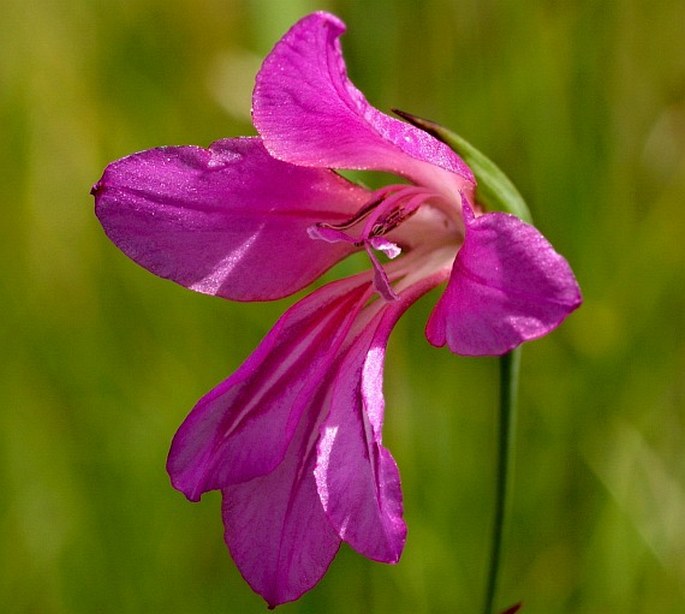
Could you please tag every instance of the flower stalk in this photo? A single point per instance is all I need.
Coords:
(509, 376)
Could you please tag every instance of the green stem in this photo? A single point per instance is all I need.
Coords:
(495, 192)
(509, 375)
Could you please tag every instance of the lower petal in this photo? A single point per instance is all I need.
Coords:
(242, 428)
(275, 527)
(357, 477)
(507, 286)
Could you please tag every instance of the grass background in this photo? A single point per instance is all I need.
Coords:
(581, 102)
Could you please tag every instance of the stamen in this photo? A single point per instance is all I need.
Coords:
(377, 199)
(395, 210)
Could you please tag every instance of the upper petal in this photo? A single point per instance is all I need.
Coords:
(507, 286)
(229, 220)
(308, 112)
(243, 427)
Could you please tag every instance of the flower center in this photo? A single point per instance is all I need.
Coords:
(387, 209)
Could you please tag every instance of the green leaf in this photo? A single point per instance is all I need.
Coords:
(494, 191)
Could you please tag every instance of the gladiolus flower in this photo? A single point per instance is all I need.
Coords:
(293, 439)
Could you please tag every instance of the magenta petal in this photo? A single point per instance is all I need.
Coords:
(275, 528)
(507, 286)
(242, 428)
(308, 112)
(229, 220)
(357, 477)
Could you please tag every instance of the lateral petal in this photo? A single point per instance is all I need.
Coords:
(507, 286)
(242, 428)
(357, 477)
(275, 528)
(308, 112)
(229, 220)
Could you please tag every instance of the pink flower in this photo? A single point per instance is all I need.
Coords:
(293, 439)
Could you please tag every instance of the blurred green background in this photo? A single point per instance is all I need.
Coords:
(582, 103)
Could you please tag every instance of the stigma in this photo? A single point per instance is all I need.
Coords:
(386, 210)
